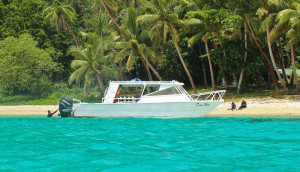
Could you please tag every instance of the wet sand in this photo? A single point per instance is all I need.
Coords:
(255, 107)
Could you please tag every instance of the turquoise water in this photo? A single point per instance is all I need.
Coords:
(137, 144)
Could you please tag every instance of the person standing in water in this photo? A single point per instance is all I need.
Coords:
(51, 114)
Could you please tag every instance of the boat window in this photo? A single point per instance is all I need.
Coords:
(150, 89)
(167, 91)
(130, 92)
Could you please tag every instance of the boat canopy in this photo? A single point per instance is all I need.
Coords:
(172, 89)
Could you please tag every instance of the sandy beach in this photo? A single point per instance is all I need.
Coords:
(255, 107)
(261, 107)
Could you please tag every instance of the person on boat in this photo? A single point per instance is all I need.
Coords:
(243, 105)
(51, 114)
(233, 106)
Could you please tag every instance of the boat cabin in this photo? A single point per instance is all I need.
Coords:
(145, 92)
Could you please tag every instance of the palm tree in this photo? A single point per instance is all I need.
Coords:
(134, 44)
(163, 20)
(267, 9)
(59, 15)
(246, 9)
(264, 54)
(198, 25)
(110, 7)
(205, 38)
(292, 17)
(96, 60)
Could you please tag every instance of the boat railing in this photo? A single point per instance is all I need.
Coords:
(211, 95)
(126, 100)
(144, 82)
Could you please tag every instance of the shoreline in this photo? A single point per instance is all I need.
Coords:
(260, 107)
(255, 107)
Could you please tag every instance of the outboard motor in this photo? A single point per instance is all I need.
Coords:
(65, 107)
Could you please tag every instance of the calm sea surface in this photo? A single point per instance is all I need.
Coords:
(137, 144)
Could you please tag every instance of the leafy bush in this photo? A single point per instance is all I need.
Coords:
(25, 68)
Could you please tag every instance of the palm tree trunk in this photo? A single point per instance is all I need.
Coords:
(265, 56)
(104, 3)
(292, 79)
(147, 69)
(210, 67)
(224, 79)
(294, 68)
(223, 76)
(100, 83)
(185, 67)
(245, 59)
(120, 68)
(203, 68)
(152, 68)
(64, 21)
(136, 4)
(282, 64)
(235, 79)
(274, 63)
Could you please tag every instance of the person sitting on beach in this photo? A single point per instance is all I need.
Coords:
(243, 105)
(50, 114)
(233, 106)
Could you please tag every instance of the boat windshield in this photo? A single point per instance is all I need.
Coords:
(167, 91)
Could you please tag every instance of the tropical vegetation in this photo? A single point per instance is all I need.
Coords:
(50, 45)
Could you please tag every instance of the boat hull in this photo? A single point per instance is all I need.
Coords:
(146, 110)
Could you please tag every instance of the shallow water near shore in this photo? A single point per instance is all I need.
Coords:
(37, 143)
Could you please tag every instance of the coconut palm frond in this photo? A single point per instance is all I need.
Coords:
(277, 31)
(131, 22)
(285, 15)
(109, 72)
(125, 33)
(122, 54)
(206, 37)
(174, 33)
(78, 75)
(165, 32)
(78, 53)
(148, 18)
(265, 23)
(131, 60)
(195, 38)
(78, 63)
(119, 45)
(155, 30)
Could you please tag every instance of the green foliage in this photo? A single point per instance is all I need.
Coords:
(59, 90)
(33, 67)
(95, 60)
(172, 68)
(213, 16)
(24, 16)
(25, 68)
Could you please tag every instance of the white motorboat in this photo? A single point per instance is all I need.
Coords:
(163, 99)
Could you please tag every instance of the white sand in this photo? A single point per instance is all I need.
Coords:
(255, 107)
(25, 110)
(260, 107)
